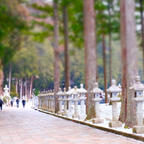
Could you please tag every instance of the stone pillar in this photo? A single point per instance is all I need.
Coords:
(114, 90)
(65, 99)
(138, 89)
(97, 92)
(114, 111)
(69, 95)
(60, 107)
(60, 94)
(76, 114)
(82, 96)
(83, 110)
(75, 99)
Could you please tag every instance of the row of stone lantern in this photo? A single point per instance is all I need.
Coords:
(46, 101)
(76, 96)
(73, 97)
(72, 103)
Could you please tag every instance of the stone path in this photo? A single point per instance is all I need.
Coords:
(27, 126)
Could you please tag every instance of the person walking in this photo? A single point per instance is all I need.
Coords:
(23, 103)
(1, 104)
(11, 102)
(17, 102)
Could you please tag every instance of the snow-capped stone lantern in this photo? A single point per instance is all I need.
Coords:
(60, 96)
(82, 97)
(97, 93)
(75, 96)
(114, 91)
(138, 89)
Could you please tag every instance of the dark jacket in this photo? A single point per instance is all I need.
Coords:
(1, 102)
(23, 102)
(17, 101)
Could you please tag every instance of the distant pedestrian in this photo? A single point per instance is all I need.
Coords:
(1, 104)
(11, 102)
(23, 103)
(17, 102)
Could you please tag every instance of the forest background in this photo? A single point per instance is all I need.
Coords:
(26, 43)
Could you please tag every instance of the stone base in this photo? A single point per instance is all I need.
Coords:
(75, 116)
(138, 129)
(115, 124)
(69, 114)
(82, 117)
(97, 120)
(64, 114)
(59, 113)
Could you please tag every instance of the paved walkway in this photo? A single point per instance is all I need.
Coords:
(27, 126)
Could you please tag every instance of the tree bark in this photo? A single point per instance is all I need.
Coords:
(56, 53)
(26, 89)
(31, 87)
(66, 48)
(21, 88)
(10, 72)
(110, 43)
(142, 31)
(129, 60)
(104, 66)
(16, 85)
(90, 53)
(1, 77)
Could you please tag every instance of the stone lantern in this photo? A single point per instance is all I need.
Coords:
(138, 89)
(75, 96)
(97, 92)
(82, 96)
(70, 100)
(51, 100)
(65, 99)
(114, 91)
(60, 94)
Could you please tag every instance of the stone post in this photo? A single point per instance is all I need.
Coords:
(82, 95)
(60, 93)
(75, 99)
(70, 100)
(65, 102)
(48, 102)
(138, 89)
(53, 101)
(97, 92)
(114, 90)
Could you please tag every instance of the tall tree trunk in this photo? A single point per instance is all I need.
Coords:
(16, 85)
(10, 72)
(110, 42)
(56, 54)
(31, 86)
(129, 60)
(142, 31)
(1, 77)
(104, 66)
(90, 53)
(21, 88)
(66, 49)
(26, 89)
